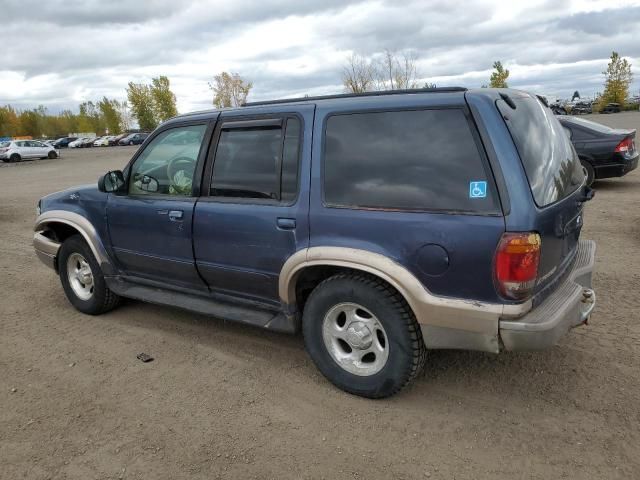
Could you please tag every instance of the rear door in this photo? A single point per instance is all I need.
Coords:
(555, 176)
(256, 213)
(407, 177)
(24, 149)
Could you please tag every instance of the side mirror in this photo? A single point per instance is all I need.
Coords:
(148, 184)
(111, 182)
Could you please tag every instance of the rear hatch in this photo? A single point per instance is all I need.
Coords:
(556, 179)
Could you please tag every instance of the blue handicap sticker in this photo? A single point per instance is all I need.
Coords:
(477, 189)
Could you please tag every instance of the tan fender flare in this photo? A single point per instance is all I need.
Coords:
(443, 314)
(82, 225)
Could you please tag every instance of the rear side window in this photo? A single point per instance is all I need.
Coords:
(407, 160)
(550, 162)
(258, 162)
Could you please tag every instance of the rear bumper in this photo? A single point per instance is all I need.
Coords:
(46, 249)
(616, 169)
(568, 307)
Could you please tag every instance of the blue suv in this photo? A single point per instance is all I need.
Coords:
(381, 225)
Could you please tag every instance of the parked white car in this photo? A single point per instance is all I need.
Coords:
(76, 143)
(16, 150)
(103, 141)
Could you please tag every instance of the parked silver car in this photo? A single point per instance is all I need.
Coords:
(16, 150)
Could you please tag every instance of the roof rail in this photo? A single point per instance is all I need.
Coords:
(355, 95)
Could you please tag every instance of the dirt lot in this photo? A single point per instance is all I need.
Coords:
(227, 401)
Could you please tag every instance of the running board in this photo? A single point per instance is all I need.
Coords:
(271, 320)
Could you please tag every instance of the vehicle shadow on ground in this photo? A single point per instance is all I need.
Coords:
(613, 185)
(524, 375)
(208, 329)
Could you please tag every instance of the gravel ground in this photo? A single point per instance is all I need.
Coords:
(223, 400)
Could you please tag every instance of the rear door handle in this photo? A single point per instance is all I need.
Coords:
(287, 223)
(175, 215)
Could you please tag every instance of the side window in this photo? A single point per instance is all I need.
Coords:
(257, 162)
(408, 160)
(21, 144)
(167, 165)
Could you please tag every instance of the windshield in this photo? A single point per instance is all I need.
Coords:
(551, 164)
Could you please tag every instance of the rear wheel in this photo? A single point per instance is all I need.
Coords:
(362, 335)
(82, 279)
(590, 172)
(15, 158)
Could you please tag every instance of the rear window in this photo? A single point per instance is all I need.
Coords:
(550, 162)
(408, 160)
(598, 127)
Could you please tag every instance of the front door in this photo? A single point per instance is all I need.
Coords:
(256, 212)
(38, 149)
(150, 225)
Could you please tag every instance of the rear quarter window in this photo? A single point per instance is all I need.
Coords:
(425, 160)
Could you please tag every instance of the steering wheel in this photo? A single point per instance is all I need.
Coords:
(186, 164)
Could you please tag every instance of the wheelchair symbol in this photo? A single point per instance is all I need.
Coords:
(477, 189)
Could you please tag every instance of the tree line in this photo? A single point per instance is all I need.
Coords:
(100, 116)
(153, 103)
(392, 71)
(149, 104)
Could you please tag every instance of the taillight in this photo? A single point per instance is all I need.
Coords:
(516, 264)
(2, 150)
(625, 146)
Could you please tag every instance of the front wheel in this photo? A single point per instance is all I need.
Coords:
(52, 155)
(362, 335)
(82, 279)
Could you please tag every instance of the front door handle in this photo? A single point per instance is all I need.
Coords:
(287, 223)
(175, 215)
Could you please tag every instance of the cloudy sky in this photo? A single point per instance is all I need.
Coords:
(61, 52)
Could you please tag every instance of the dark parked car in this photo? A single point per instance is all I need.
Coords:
(604, 152)
(380, 224)
(64, 142)
(114, 141)
(611, 108)
(133, 139)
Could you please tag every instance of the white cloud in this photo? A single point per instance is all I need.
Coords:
(61, 53)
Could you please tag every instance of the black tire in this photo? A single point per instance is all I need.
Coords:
(102, 299)
(15, 158)
(591, 173)
(130, 143)
(406, 356)
(52, 155)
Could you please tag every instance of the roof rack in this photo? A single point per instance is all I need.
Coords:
(354, 95)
